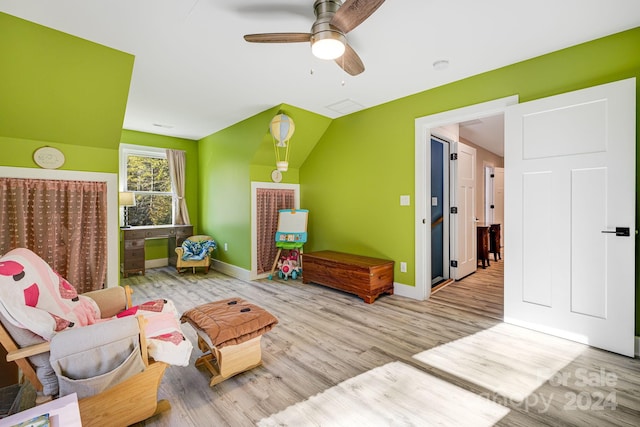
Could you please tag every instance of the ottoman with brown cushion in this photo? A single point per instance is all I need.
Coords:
(229, 333)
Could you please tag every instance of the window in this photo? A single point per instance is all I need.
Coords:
(145, 172)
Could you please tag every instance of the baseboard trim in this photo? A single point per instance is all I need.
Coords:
(156, 263)
(231, 270)
(407, 291)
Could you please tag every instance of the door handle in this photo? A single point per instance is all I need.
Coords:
(620, 231)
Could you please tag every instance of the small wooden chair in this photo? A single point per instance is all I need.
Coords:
(205, 262)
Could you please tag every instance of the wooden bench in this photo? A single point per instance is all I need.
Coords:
(360, 275)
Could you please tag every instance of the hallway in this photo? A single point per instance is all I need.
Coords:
(481, 292)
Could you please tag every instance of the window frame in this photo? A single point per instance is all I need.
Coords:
(127, 150)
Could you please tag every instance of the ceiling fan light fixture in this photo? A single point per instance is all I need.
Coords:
(328, 44)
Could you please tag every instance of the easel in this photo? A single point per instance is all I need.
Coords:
(291, 232)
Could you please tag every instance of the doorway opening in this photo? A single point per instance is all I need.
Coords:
(463, 121)
(467, 164)
(573, 151)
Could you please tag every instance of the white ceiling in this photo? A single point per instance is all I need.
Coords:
(194, 74)
(487, 132)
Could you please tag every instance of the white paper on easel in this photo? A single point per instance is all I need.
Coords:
(293, 220)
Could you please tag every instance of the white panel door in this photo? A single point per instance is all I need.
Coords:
(463, 223)
(488, 194)
(570, 182)
(498, 197)
(494, 196)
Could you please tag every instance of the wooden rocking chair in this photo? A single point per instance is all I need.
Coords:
(128, 402)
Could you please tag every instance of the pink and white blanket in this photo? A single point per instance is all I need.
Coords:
(35, 297)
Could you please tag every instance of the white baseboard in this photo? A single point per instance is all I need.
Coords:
(156, 263)
(231, 270)
(407, 291)
(260, 276)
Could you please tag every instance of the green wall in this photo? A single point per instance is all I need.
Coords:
(233, 157)
(61, 91)
(225, 189)
(58, 88)
(157, 248)
(18, 152)
(71, 94)
(355, 207)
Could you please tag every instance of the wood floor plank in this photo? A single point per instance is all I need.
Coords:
(325, 337)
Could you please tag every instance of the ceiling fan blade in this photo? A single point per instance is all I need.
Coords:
(350, 61)
(353, 12)
(278, 38)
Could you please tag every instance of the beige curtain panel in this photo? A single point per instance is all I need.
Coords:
(177, 167)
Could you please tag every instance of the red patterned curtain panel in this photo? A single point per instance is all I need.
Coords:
(269, 202)
(64, 222)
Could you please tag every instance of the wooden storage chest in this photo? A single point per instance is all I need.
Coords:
(364, 276)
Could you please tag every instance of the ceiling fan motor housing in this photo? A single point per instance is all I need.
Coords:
(322, 29)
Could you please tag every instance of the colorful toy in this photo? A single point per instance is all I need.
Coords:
(288, 266)
(291, 235)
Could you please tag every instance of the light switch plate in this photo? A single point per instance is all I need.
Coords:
(434, 201)
(405, 200)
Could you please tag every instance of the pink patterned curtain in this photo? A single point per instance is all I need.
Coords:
(64, 222)
(269, 202)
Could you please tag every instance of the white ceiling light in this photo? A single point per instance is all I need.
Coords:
(328, 44)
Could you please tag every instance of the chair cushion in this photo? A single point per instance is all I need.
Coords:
(196, 250)
(231, 321)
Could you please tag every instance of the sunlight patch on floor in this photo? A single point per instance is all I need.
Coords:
(392, 394)
(506, 359)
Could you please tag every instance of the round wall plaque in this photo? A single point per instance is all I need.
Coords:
(276, 175)
(48, 157)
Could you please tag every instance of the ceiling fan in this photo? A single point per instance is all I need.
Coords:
(328, 41)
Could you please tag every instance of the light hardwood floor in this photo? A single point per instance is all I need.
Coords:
(326, 336)
(481, 292)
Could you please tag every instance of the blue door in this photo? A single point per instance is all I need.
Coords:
(437, 211)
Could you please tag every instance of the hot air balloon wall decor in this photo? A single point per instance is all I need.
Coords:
(282, 128)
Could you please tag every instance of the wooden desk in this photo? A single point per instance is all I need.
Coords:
(133, 239)
(364, 276)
